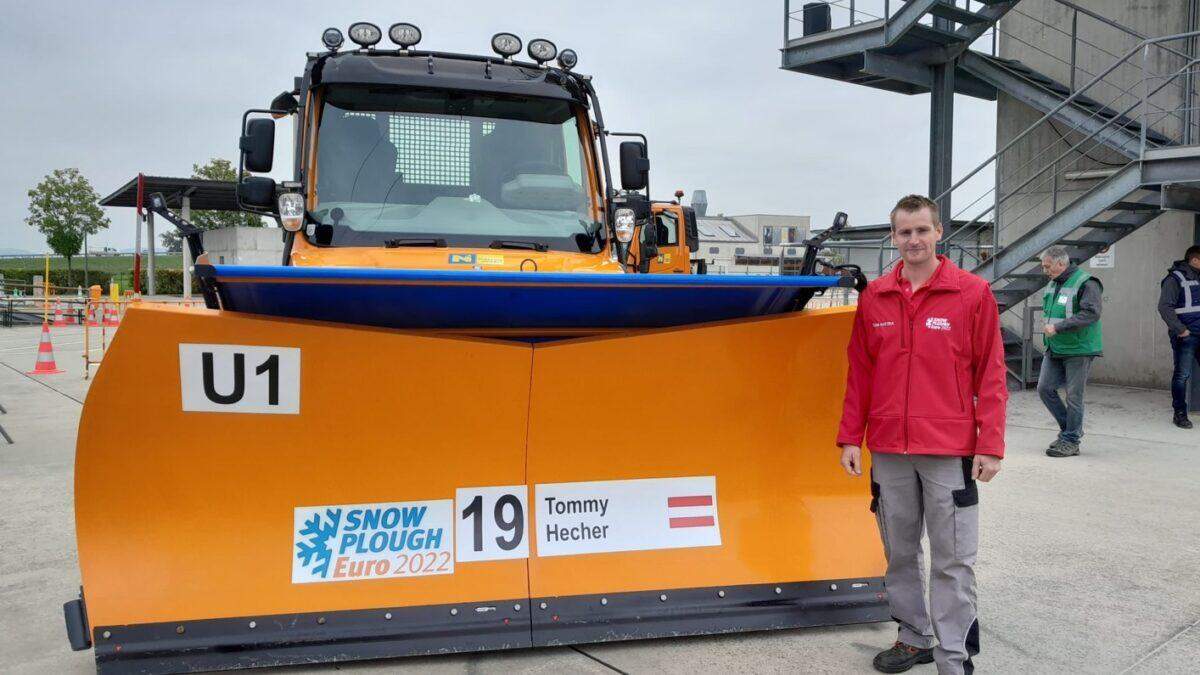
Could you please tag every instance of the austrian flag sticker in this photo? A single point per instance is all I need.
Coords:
(690, 511)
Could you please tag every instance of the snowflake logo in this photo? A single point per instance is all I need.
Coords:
(318, 532)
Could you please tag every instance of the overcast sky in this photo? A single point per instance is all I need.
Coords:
(117, 87)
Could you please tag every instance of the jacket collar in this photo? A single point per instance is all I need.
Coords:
(945, 278)
(1187, 270)
(1062, 278)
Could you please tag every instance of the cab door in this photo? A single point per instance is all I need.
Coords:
(673, 254)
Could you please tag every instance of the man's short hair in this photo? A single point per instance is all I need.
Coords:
(1057, 254)
(1192, 252)
(914, 203)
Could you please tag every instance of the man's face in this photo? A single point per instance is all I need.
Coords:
(1195, 263)
(915, 236)
(1052, 268)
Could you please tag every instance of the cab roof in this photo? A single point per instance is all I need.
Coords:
(446, 71)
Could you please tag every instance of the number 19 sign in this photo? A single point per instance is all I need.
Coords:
(492, 523)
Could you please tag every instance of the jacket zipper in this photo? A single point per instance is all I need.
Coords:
(905, 312)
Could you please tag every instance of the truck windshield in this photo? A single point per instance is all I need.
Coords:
(466, 168)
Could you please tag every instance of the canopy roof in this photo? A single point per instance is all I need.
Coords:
(205, 195)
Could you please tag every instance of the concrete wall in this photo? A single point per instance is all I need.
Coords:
(1038, 34)
(244, 246)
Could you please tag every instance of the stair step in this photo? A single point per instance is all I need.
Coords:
(1133, 206)
(945, 10)
(1025, 275)
(1105, 225)
(946, 37)
(1082, 243)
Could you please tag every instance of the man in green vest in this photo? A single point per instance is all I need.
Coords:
(1071, 306)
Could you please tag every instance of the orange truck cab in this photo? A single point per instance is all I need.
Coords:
(430, 160)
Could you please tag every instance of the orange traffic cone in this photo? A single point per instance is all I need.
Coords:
(93, 316)
(45, 358)
(58, 314)
(70, 316)
(110, 315)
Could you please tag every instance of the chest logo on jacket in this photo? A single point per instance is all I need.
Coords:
(937, 323)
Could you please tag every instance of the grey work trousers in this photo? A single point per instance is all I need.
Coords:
(1069, 373)
(934, 494)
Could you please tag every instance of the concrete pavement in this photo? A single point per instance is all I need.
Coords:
(1087, 564)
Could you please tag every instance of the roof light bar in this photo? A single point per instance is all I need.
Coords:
(506, 44)
(365, 34)
(542, 50)
(405, 35)
(332, 38)
(567, 59)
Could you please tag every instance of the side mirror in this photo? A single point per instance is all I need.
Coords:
(635, 167)
(650, 238)
(258, 145)
(257, 191)
(691, 229)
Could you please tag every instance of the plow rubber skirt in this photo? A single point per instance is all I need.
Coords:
(278, 487)
(508, 624)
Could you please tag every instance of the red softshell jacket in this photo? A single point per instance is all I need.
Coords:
(926, 372)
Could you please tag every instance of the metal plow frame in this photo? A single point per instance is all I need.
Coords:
(188, 521)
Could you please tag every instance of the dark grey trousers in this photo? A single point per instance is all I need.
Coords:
(926, 493)
(1069, 373)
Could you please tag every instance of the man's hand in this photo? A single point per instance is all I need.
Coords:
(1185, 333)
(852, 460)
(983, 468)
(1050, 329)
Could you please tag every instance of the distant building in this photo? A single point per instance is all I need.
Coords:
(244, 246)
(748, 244)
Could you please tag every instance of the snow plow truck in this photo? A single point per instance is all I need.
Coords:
(487, 401)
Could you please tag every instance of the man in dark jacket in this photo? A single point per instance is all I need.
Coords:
(1179, 307)
(1071, 305)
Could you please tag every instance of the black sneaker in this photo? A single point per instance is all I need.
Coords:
(1181, 420)
(1064, 449)
(901, 657)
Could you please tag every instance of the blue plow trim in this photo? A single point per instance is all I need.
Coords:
(510, 300)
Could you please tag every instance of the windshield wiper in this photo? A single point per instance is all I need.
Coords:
(512, 243)
(435, 242)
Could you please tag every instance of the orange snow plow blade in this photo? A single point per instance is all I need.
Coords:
(255, 491)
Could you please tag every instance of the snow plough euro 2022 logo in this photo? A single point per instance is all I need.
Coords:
(372, 541)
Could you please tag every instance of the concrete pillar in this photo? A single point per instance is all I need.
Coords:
(150, 285)
(186, 213)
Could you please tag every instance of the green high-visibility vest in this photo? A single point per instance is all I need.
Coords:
(1063, 303)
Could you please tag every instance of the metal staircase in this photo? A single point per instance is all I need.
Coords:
(1129, 133)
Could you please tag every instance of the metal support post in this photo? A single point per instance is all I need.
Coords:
(941, 138)
(1074, 45)
(787, 21)
(150, 285)
(186, 214)
(1145, 100)
(138, 217)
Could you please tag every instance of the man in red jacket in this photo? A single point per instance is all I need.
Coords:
(926, 387)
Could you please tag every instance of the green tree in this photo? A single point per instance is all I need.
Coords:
(215, 169)
(64, 208)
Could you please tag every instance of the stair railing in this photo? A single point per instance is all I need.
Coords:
(1138, 97)
(1150, 84)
